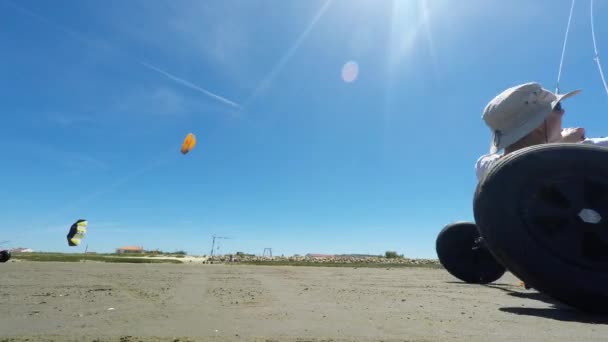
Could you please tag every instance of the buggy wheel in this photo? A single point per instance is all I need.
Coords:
(543, 211)
(463, 254)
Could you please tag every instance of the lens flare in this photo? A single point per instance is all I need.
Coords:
(350, 71)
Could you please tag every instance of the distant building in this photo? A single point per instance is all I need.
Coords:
(21, 250)
(129, 249)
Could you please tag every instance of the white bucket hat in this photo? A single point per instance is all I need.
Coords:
(517, 111)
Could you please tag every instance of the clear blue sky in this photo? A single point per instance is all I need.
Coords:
(98, 95)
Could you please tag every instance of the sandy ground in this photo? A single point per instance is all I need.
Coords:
(131, 302)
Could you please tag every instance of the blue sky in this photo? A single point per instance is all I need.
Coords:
(98, 95)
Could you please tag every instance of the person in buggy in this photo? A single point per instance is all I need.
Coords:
(526, 115)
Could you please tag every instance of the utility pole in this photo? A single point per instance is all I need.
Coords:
(213, 243)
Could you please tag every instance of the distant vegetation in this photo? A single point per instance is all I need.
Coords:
(392, 255)
(359, 255)
(159, 252)
(77, 257)
(390, 260)
(336, 264)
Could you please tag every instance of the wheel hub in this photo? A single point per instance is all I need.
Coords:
(565, 216)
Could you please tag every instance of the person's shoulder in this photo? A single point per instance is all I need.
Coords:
(484, 162)
(487, 159)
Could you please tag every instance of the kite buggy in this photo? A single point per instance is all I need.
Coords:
(5, 255)
(542, 214)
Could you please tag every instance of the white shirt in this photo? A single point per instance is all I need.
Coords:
(485, 161)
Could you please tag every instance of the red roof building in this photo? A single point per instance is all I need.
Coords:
(129, 249)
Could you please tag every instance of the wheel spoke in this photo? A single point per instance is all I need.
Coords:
(547, 210)
(573, 193)
(596, 194)
(551, 225)
(568, 240)
(594, 248)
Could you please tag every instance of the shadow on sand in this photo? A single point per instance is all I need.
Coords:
(557, 311)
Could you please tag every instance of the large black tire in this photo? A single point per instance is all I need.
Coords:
(528, 209)
(5, 256)
(462, 255)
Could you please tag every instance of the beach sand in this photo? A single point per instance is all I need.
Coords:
(90, 301)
